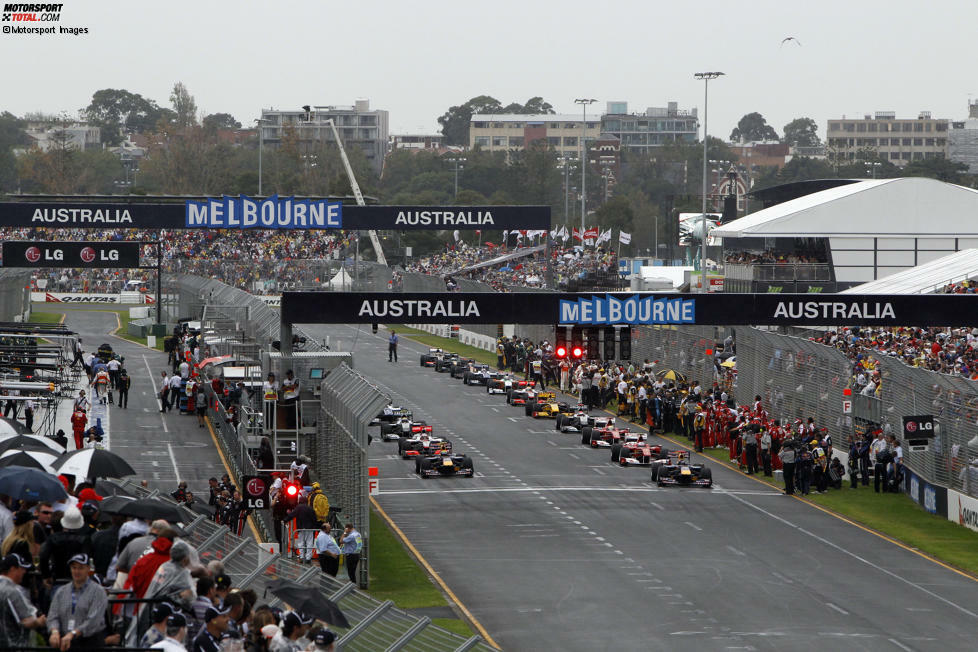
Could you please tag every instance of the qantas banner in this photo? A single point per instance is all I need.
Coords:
(90, 297)
(70, 254)
(629, 309)
(287, 213)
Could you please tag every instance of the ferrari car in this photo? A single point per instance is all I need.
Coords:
(391, 414)
(422, 445)
(676, 470)
(403, 429)
(579, 419)
(635, 453)
(443, 464)
(432, 357)
(608, 436)
(548, 408)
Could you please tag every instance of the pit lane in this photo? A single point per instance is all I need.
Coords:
(552, 546)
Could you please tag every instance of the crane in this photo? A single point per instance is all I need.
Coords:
(374, 240)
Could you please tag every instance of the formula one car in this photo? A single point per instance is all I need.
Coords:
(444, 464)
(478, 375)
(446, 362)
(677, 470)
(501, 384)
(391, 414)
(548, 408)
(608, 436)
(580, 419)
(522, 395)
(422, 445)
(403, 429)
(636, 453)
(430, 358)
(459, 366)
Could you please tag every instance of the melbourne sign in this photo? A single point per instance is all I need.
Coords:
(70, 254)
(269, 213)
(603, 309)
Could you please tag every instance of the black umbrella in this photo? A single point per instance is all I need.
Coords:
(110, 488)
(150, 509)
(29, 442)
(201, 508)
(21, 458)
(93, 463)
(112, 504)
(21, 483)
(309, 600)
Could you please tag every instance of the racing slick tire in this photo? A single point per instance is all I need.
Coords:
(509, 397)
(465, 378)
(468, 466)
(659, 471)
(529, 408)
(422, 361)
(424, 465)
(586, 435)
(707, 474)
(417, 466)
(400, 448)
(616, 453)
(559, 422)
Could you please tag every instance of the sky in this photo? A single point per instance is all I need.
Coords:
(416, 59)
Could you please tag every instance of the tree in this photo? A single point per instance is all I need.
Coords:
(802, 132)
(218, 121)
(184, 105)
(11, 136)
(753, 127)
(116, 110)
(938, 168)
(455, 122)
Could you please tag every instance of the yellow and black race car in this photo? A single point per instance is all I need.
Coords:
(546, 405)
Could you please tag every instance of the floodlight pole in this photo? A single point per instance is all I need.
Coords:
(584, 102)
(706, 77)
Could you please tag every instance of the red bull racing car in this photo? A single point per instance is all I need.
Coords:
(443, 464)
(676, 470)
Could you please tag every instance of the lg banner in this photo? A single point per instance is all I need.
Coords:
(70, 254)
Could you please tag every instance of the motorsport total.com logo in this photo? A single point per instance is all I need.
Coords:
(31, 13)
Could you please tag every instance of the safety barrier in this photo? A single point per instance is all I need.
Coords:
(15, 294)
(374, 625)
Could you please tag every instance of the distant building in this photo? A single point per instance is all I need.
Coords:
(657, 126)
(899, 140)
(416, 141)
(358, 126)
(77, 135)
(514, 132)
(760, 154)
(604, 158)
(963, 139)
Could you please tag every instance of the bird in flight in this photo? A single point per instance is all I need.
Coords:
(790, 38)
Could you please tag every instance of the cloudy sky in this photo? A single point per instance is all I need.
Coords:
(416, 59)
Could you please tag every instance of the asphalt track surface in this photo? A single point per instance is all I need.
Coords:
(161, 448)
(551, 546)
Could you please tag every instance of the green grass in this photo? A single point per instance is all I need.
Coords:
(449, 344)
(396, 576)
(38, 317)
(894, 515)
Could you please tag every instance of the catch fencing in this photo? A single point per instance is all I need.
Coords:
(798, 378)
(374, 625)
(339, 452)
(15, 294)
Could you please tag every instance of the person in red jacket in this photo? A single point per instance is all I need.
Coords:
(145, 567)
(78, 422)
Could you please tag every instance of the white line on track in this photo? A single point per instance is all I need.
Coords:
(658, 506)
(837, 608)
(849, 553)
(739, 553)
(694, 526)
(173, 460)
(899, 644)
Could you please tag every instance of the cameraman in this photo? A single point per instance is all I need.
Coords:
(881, 455)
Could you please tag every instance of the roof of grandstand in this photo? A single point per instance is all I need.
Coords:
(925, 279)
(905, 207)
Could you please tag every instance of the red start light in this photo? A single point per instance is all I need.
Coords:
(577, 352)
(561, 352)
(292, 490)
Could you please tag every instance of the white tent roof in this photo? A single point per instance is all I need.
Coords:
(926, 278)
(910, 206)
(342, 279)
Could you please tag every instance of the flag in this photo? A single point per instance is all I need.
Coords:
(577, 234)
(593, 232)
(564, 234)
(624, 238)
(478, 232)
(456, 235)
(605, 236)
(505, 236)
